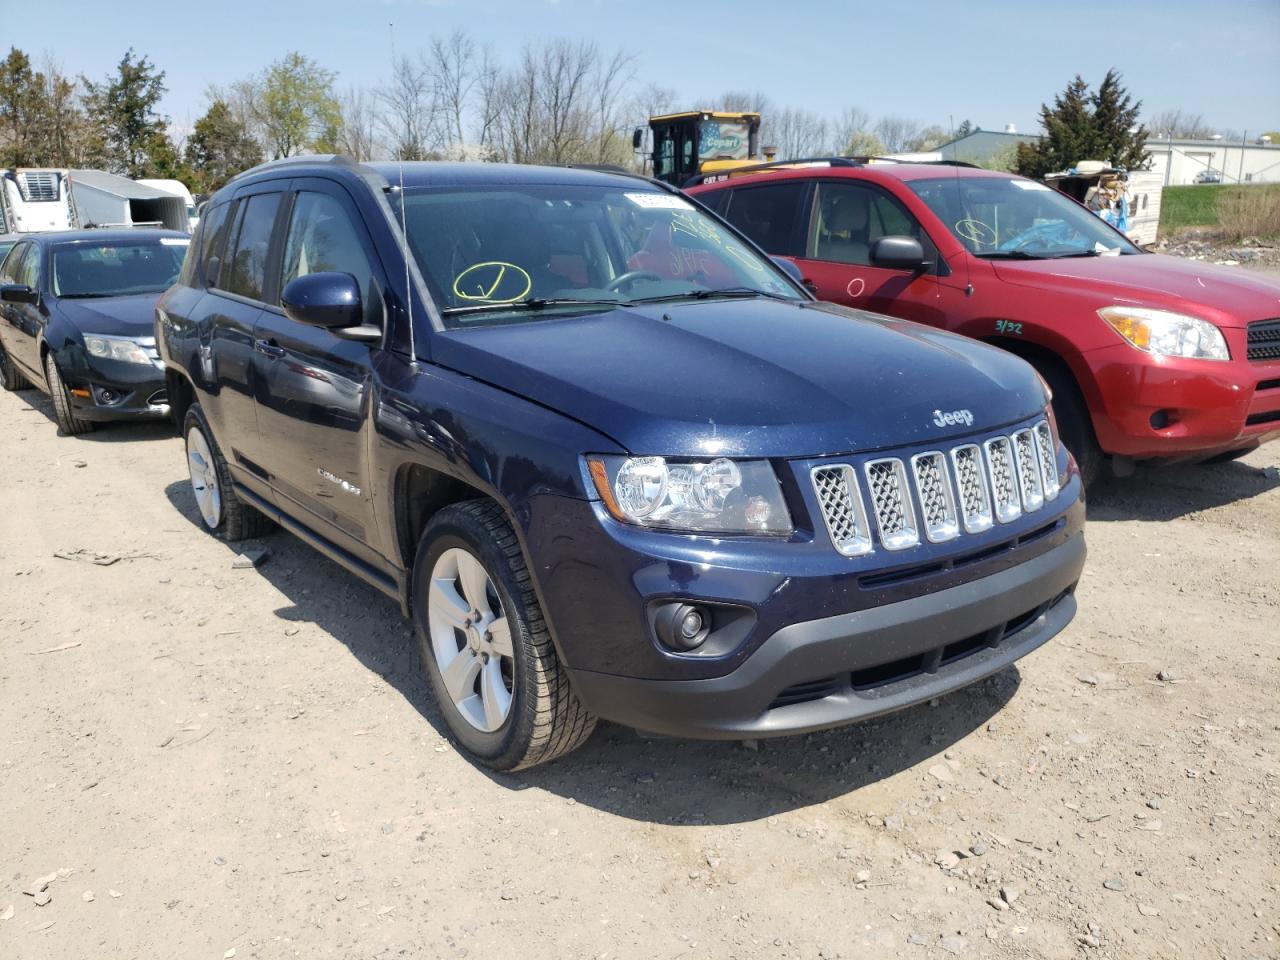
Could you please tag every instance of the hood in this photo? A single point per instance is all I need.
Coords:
(122, 316)
(750, 378)
(1235, 297)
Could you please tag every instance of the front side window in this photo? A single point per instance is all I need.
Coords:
(769, 214)
(116, 268)
(323, 239)
(245, 268)
(507, 253)
(852, 217)
(14, 264)
(213, 234)
(1011, 218)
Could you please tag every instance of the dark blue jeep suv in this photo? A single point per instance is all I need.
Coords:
(612, 460)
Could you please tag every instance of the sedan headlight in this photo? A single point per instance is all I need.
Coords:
(1167, 334)
(694, 496)
(116, 348)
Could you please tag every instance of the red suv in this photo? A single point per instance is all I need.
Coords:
(1148, 356)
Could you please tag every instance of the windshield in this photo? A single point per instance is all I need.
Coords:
(1012, 218)
(117, 269)
(510, 253)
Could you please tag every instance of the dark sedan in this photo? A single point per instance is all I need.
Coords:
(76, 320)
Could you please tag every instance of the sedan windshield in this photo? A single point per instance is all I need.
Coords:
(514, 252)
(118, 268)
(1007, 218)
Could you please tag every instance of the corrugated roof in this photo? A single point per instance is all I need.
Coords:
(117, 186)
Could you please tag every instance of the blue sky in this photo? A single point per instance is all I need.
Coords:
(991, 62)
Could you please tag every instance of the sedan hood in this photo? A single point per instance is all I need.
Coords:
(750, 378)
(120, 316)
(1234, 296)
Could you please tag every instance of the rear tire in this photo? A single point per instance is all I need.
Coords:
(11, 377)
(223, 513)
(63, 412)
(507, 698)
(1074, 425)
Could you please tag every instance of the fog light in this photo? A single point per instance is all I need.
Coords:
(682, 627)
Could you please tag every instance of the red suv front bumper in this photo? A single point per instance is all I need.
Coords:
(1150, 406)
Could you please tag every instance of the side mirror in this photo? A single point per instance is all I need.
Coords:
(789, 268)
(898, 253)
(19, 293)
(329, 300)
(637, 138)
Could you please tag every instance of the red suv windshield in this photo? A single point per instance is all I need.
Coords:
(1001, 218)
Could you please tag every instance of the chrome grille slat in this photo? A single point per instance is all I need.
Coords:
(975, 499)
(968, 488)
(1048, 459)
(837, 488)
(891, 503)
(1028, 464)
(937, 502)
(1007, 505)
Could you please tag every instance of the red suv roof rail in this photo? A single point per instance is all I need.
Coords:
(812, 162)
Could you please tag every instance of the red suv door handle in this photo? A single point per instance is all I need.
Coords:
(269, 348)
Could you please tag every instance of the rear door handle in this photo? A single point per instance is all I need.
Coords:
(269, 348)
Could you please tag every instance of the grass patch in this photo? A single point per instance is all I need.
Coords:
(1232, 210)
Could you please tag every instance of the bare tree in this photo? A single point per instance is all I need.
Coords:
(488, 107)
(358, 125)
(408, 109)
(927, 139)
(850, 122)
(797, 133)
(453, 75)
(564, 72)
(742, 101)
(896, 133)
(612, 77)
(1180, 125)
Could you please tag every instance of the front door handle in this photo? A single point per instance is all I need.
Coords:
(269, 348)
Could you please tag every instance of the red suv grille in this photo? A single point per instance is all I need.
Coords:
(1264, 340)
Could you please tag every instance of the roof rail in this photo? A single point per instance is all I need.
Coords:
(338, 158)
(812, 162)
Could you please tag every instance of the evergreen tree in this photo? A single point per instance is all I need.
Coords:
(20, 102)
(130, 137)
(1087, 126)
(220, 146)
(964, 129)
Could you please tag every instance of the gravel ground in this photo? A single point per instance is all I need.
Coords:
(217, 762)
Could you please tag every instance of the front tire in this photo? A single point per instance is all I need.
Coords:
(11, 377)
(223, 513)
(485, 646)
(63, 412)
(1074, 425)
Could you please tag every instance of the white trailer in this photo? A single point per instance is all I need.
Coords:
(35, 199)
(178, 189)
(106, 200)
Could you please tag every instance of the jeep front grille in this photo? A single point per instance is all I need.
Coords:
(937, 502)
(891, 503)
(841, 503)
(1263, 341)
(975, 499)
(968, 488)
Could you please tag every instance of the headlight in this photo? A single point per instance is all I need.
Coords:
(116, 348)
(701, 496)
(1167, 334)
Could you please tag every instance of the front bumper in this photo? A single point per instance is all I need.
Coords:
(1162, 407)
(103, 389)
(836, 670)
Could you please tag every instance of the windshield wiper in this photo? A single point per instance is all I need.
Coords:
(531, 303)
(85, 296)
(1077, 253)
(726, 292)
(1010, 255)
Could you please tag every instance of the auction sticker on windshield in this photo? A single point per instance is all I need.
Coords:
(659, 201)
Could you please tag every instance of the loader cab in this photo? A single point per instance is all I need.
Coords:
(700, 141)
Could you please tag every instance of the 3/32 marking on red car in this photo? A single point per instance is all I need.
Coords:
(1009, 326)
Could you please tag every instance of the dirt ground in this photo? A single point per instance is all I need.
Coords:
(220, 762)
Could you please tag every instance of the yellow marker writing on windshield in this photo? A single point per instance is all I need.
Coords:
(493, 281)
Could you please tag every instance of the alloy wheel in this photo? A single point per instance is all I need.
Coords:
(204, 478)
